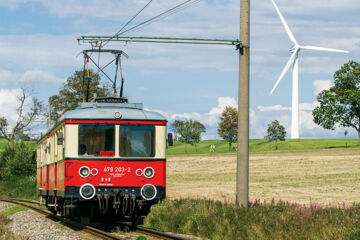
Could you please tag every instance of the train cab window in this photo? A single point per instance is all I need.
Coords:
(96, 140)
(137, 141)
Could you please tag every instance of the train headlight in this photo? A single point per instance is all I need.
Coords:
(149, 172)
(148, 192)
(84, 171)
(87, 191)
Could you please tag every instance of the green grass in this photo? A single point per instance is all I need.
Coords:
(261, 145)
(282, 220)
(12, 210)
(256, 145)
(19, 187)
(4, 143)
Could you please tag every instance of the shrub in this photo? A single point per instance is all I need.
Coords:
(17, 160)
(5, 157)
(23, 162)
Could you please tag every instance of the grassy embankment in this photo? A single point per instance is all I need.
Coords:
(217, 220)
(261, 145)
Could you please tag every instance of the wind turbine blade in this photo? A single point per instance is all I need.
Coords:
(291, 36)
(286, 68)
(323, 49)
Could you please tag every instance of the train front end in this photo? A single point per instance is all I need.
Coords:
(113, 163)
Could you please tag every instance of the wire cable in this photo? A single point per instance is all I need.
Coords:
(118, 32)
(167, 13)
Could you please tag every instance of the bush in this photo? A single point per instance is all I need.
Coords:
(23, 163)
(5, 157)
(17, 160)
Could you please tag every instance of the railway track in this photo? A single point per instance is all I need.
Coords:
(92, 230)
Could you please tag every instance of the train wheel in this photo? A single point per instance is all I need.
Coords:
(53, 211)
(86, 213)
(134, 222)
(62, 209)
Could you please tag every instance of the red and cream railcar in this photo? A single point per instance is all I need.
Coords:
(105, 158)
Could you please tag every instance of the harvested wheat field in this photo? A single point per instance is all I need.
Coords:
(329, 176)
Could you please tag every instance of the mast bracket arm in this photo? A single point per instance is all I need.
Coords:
(240, 47)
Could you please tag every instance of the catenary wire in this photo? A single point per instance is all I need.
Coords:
(167, 13)
(116, 34)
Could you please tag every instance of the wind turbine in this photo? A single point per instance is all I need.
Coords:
(295, 82)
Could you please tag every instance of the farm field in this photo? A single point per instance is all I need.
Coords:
(328, 176)
(261, 145)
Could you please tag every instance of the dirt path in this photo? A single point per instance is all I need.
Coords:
(323, 176)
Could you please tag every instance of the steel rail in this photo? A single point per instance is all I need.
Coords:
(93, 230)
(157, 233)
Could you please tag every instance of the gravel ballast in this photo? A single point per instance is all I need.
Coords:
(29, 225)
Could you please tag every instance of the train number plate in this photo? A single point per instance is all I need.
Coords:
(117, 169)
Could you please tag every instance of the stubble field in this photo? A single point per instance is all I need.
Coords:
(330, 176)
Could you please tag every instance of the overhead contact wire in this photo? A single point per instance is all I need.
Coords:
(167, 13)
(116, 34)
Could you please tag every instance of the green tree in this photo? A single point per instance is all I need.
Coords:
(188, 131)
(275, 132)
(71, 94)
(340, 105)
(227, 127)
(27, 112)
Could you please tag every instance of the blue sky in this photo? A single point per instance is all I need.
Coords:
(38, 50)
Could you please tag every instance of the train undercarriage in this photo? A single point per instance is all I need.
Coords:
(115, 205)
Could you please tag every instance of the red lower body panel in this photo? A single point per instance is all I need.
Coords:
(114, 173)
(103, 173)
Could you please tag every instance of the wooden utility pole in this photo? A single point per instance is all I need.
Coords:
(242, 173)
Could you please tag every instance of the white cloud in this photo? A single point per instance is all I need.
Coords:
(9, 104)
(7, 78)
(308, 106)
(277, 107)
(209, 119)
(16, 80)
(39, 51)
(223, 102)
(38, 76)
(321, 85)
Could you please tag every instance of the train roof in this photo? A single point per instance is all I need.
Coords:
(106, 111)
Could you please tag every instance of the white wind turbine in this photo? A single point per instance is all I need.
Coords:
(295, 85)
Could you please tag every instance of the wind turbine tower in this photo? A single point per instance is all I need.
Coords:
(295, 81)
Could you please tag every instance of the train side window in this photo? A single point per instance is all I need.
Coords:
(96, 140)
(137, 141)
